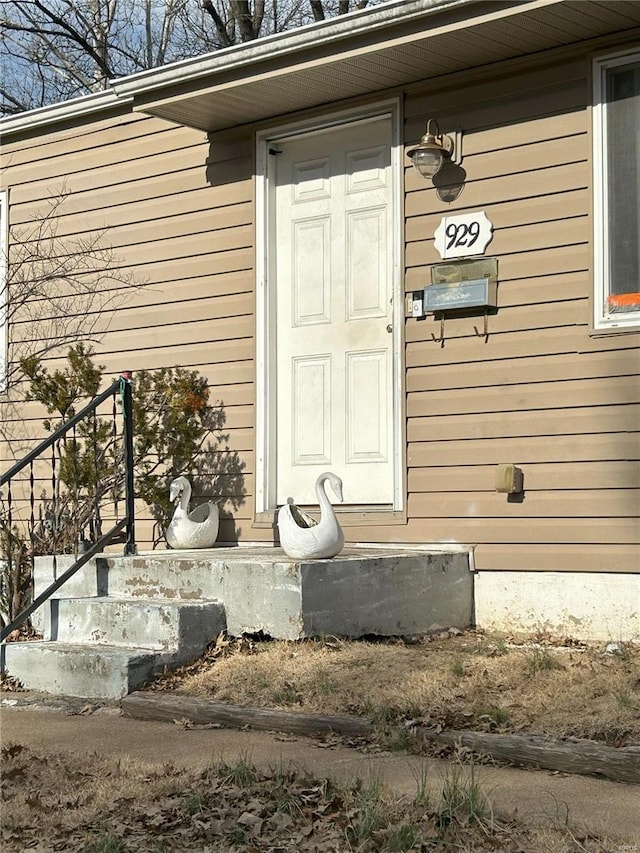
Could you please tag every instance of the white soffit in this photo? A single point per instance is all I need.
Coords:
(391, 45)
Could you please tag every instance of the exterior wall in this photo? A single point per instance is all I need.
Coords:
(540, 390)
(180, 221)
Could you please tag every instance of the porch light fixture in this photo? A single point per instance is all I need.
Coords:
(434, 148)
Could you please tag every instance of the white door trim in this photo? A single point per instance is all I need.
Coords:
(265, 422)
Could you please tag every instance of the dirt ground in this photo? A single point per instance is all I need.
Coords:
(89, 802)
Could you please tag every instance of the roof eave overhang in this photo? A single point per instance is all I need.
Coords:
(378, 49)
(65, 111)
(322, 63)
(387, 47)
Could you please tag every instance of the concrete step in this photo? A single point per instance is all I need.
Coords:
(160, 625)
(120, 619)
(382, 590)
(101, 647)
(96, 672)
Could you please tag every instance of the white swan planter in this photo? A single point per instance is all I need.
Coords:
(304, 538)
(195, 529)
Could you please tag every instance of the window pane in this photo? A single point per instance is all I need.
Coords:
(623, 170)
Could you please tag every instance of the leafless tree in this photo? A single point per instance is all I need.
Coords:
(58, 289)
(53, 50)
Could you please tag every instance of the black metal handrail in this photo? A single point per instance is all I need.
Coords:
(96, 548)
(121, 385)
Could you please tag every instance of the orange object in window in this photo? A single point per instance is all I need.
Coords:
(621, 300)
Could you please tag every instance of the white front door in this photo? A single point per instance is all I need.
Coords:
(332, 280)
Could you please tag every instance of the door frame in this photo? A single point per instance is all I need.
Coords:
(265, 427)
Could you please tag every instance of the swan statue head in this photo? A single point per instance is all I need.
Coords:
(304, 538)
(195, 529)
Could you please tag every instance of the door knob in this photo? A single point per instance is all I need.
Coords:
(389, 328)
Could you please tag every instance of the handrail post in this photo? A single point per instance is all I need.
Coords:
(127, 412)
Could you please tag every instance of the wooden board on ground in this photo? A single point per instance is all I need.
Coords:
(585, 757)
(172, 707)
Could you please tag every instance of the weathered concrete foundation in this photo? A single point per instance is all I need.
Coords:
(582, 605)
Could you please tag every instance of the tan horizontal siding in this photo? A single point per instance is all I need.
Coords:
(235, 434)
(504, 188)
(144, 337)
(162, 186)
(594, 419)
(155, 155)
(505, 89)
(224, 221)
(199, 356)
(189, 246)
(514, 531)
(81, 213)
(521, 163)
(84, 133)
(226, 440)
(530, 370)
(228, 532)
(511, 214)
(550, 288)
(566, 340)
(193, 355)
(611, 558)
(571, 393)
(589, 504)
(191, 213)
(537, 390)
(516, 319)
(232, 289)
(181, 312)
(176, 269)
(177, 173)
(565, 448)
(545, 250)
(539, 477)
(228, 382)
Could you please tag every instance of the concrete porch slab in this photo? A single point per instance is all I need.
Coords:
(364, 590)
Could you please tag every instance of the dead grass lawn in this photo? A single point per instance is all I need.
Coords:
(461, 682)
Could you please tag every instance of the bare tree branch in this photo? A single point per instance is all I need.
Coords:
(58, 290)
(317, 10)
(66, 30)
(52, 50)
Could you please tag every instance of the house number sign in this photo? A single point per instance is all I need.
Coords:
(463, 235)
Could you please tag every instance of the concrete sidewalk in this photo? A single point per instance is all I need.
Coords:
(611, 809)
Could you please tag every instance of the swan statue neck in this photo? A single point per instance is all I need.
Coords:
(186, 494)
(321, 490)
(304, 538)
(321, 494)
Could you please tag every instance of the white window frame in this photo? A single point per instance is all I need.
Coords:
(4, 263)
(601, 248)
